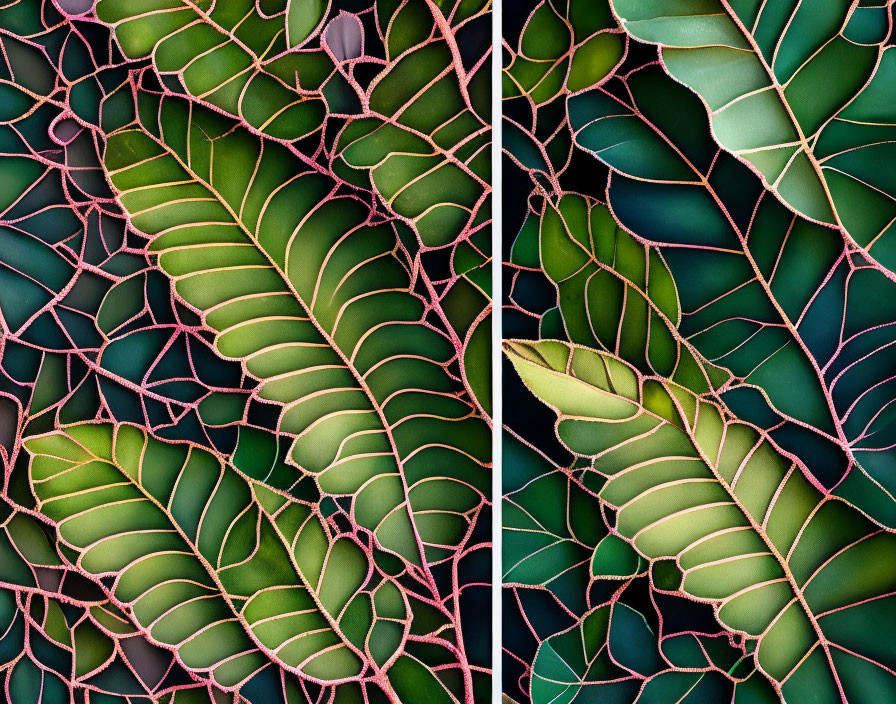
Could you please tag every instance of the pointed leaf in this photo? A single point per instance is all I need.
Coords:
(317, 305)
(749, 533)
(225, 572)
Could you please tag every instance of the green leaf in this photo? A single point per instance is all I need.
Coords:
(617, 294)
(248, 77)
(403, 25)
(303, 19)
(477, 370)
(604, 657)
(614, 558)
(223, 571)
(24, 551)
(765, 294)
(563, 48)
(425, 143)
(414, 681)
(798, 93)
(798, 571)
(318, 306)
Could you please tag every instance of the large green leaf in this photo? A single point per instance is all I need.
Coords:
(229, 54)
(317, 305)
(799, 89)
(91, 331)
(777, 300)
(227, 573)
(716, 509)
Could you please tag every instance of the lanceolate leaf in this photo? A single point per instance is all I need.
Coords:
(708, 499)
(802, 91)
(313, 299)
(765, 294)
(750, 223)
(222, 570)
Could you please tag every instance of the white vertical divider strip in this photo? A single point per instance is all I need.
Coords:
(497, 334)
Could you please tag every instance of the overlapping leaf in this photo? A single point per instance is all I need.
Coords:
(330, 327)
(89, 327)
(225, 572)
(544, 546)
(231, 55)
(781, 298)
(423, 138)
(92, 332)
(326, 320)
(615, 293)
(60, 631)
(800, 91)
(789, 321)
(563, 48)
(719, 512)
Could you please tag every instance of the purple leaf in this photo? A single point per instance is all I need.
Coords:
(344, 36)
(75, 7)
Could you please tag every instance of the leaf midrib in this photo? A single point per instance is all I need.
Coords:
(779, 90)
(784, 564)
(312, 591)
(770, 546)
(210, 570)
(359, 379)
(841, 440)
(757, 528)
